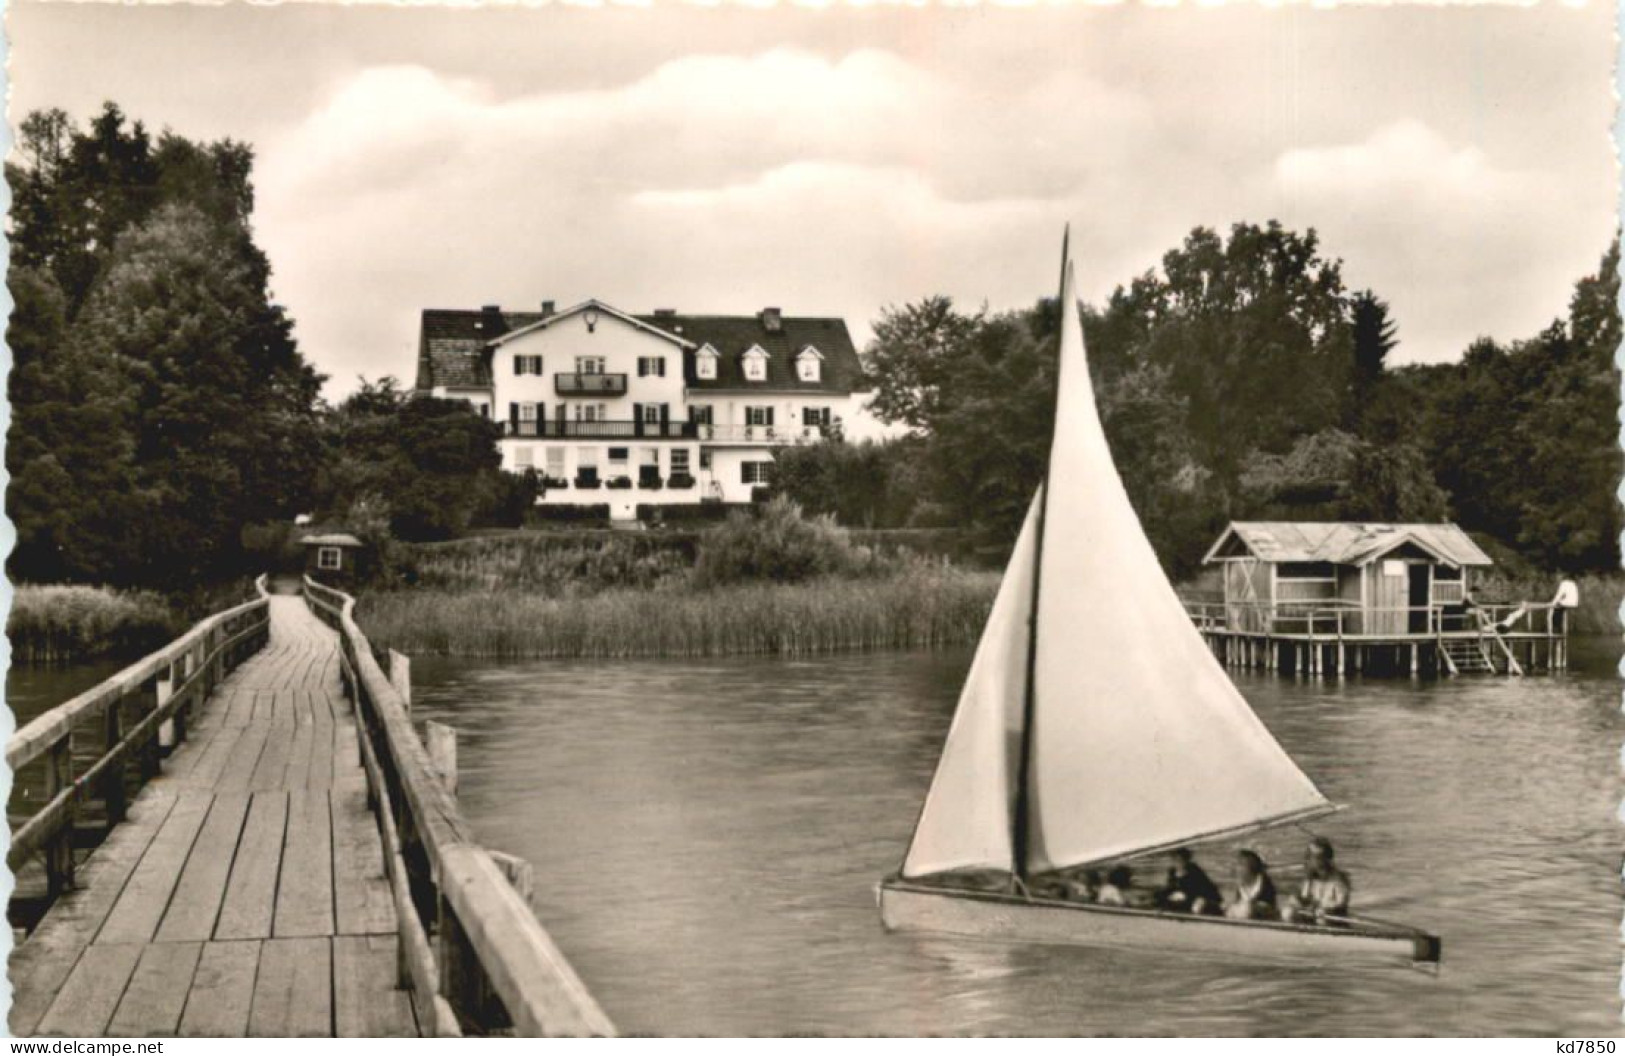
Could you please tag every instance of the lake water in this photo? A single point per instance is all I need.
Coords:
(707, 837)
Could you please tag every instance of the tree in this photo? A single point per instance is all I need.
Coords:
(1373, 338)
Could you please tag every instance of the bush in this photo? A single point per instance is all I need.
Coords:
(780, 545)
(569, 512)
(55, 623)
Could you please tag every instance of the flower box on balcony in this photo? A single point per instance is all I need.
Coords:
(680, 481)
(650, 483)
(619, 483)
(588, 482)
(551, 483)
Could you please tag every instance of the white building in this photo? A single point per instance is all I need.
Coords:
(628, 410)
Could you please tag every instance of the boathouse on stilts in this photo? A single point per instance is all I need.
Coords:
(1336, 598)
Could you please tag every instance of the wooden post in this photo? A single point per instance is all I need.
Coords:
(400, 676)
(1415, 658)
(520, 873)
(442, 744)
(113, 783)
(165, 689)
(59, 847)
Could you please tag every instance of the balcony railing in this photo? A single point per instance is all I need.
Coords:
(627, 430)
(590, 384)
(762, 434)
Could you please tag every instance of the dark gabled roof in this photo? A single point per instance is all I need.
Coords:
(1347, 543)
(451, 348)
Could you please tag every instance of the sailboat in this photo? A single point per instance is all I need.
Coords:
(1095, 726)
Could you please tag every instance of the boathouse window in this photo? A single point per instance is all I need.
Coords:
(651, 366)
(1446, 572)
(329, 558)
(1393, 568)
(755, 472)
(1316, 570)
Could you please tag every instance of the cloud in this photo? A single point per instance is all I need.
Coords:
(1452, 239)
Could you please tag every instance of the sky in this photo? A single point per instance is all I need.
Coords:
(833, 161)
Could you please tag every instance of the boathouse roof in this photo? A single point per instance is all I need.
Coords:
(332, 539)
(1342, 542)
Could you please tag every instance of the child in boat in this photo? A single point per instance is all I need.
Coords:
(1189, 889)
(1325, 890)
(1254, 895)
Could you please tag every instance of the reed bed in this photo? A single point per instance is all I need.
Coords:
(54, 624)
(923, 606)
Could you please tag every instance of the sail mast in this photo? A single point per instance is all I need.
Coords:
(1019, 817)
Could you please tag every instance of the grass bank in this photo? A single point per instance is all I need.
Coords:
(919, 607)
(55, 624)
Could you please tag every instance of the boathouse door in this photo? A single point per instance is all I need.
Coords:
(1421, 596)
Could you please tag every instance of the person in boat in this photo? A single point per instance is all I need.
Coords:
(1568, 597)
(1189, 889)
(1086, 886)
(1118, 890)
(1325, 890)
(1254, 896)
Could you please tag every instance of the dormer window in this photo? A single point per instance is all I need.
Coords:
(809, 364)
(755, 363)
(705, 364)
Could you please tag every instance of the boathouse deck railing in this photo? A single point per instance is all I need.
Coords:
(473, 953)
(1331, 619)
(133, 714)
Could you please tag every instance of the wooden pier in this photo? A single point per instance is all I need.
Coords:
(1320, 640)
(292, 863)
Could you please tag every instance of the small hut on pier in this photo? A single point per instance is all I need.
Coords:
(1371, 579)
(334, 558)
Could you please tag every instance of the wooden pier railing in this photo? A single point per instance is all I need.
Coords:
(473, 953)
(132, 716)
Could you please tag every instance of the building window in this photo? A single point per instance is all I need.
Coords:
(485, 409)
(591, 412)
(587, 458)
(651, 413)
(705, 364)
(527, 365)
(651, 366)
(758, 416)
(700, 414)
(589, 364)
(524, 456)
(705, 459)
(755, 363)
(1319, 570)
(755, 472)
(816, 416)
(617, 456)
(679, 460)
(527, 412)
(809, 365)
(329, 558)
(555, 462)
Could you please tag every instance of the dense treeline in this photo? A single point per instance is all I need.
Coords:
(1243, 380)
(165, 427)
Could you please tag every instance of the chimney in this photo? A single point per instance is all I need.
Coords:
(665, 313)
(547, 309)
(492, 309)
(772, 321)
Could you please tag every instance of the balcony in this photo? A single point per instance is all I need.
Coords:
(627, 430)
(590, 384)
(761, 434)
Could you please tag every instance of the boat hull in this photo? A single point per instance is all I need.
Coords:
(906, 906)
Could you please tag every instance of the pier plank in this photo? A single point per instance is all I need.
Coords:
(366, 1002)
(250, 901)
(87, 999)
(362, 901)
(153, 1001)
(304, 901)
(141, 905)
(293, 991)
(222, 991)
(202, 885)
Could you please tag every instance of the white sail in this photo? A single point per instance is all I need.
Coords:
(1139, 739)
(966, 823)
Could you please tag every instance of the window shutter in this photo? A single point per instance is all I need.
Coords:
(660, 366)
(744, 472)
(643, 367)
(541, 417)
(665, 416)
(513, 413)
(637, 419)
(769, 419)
